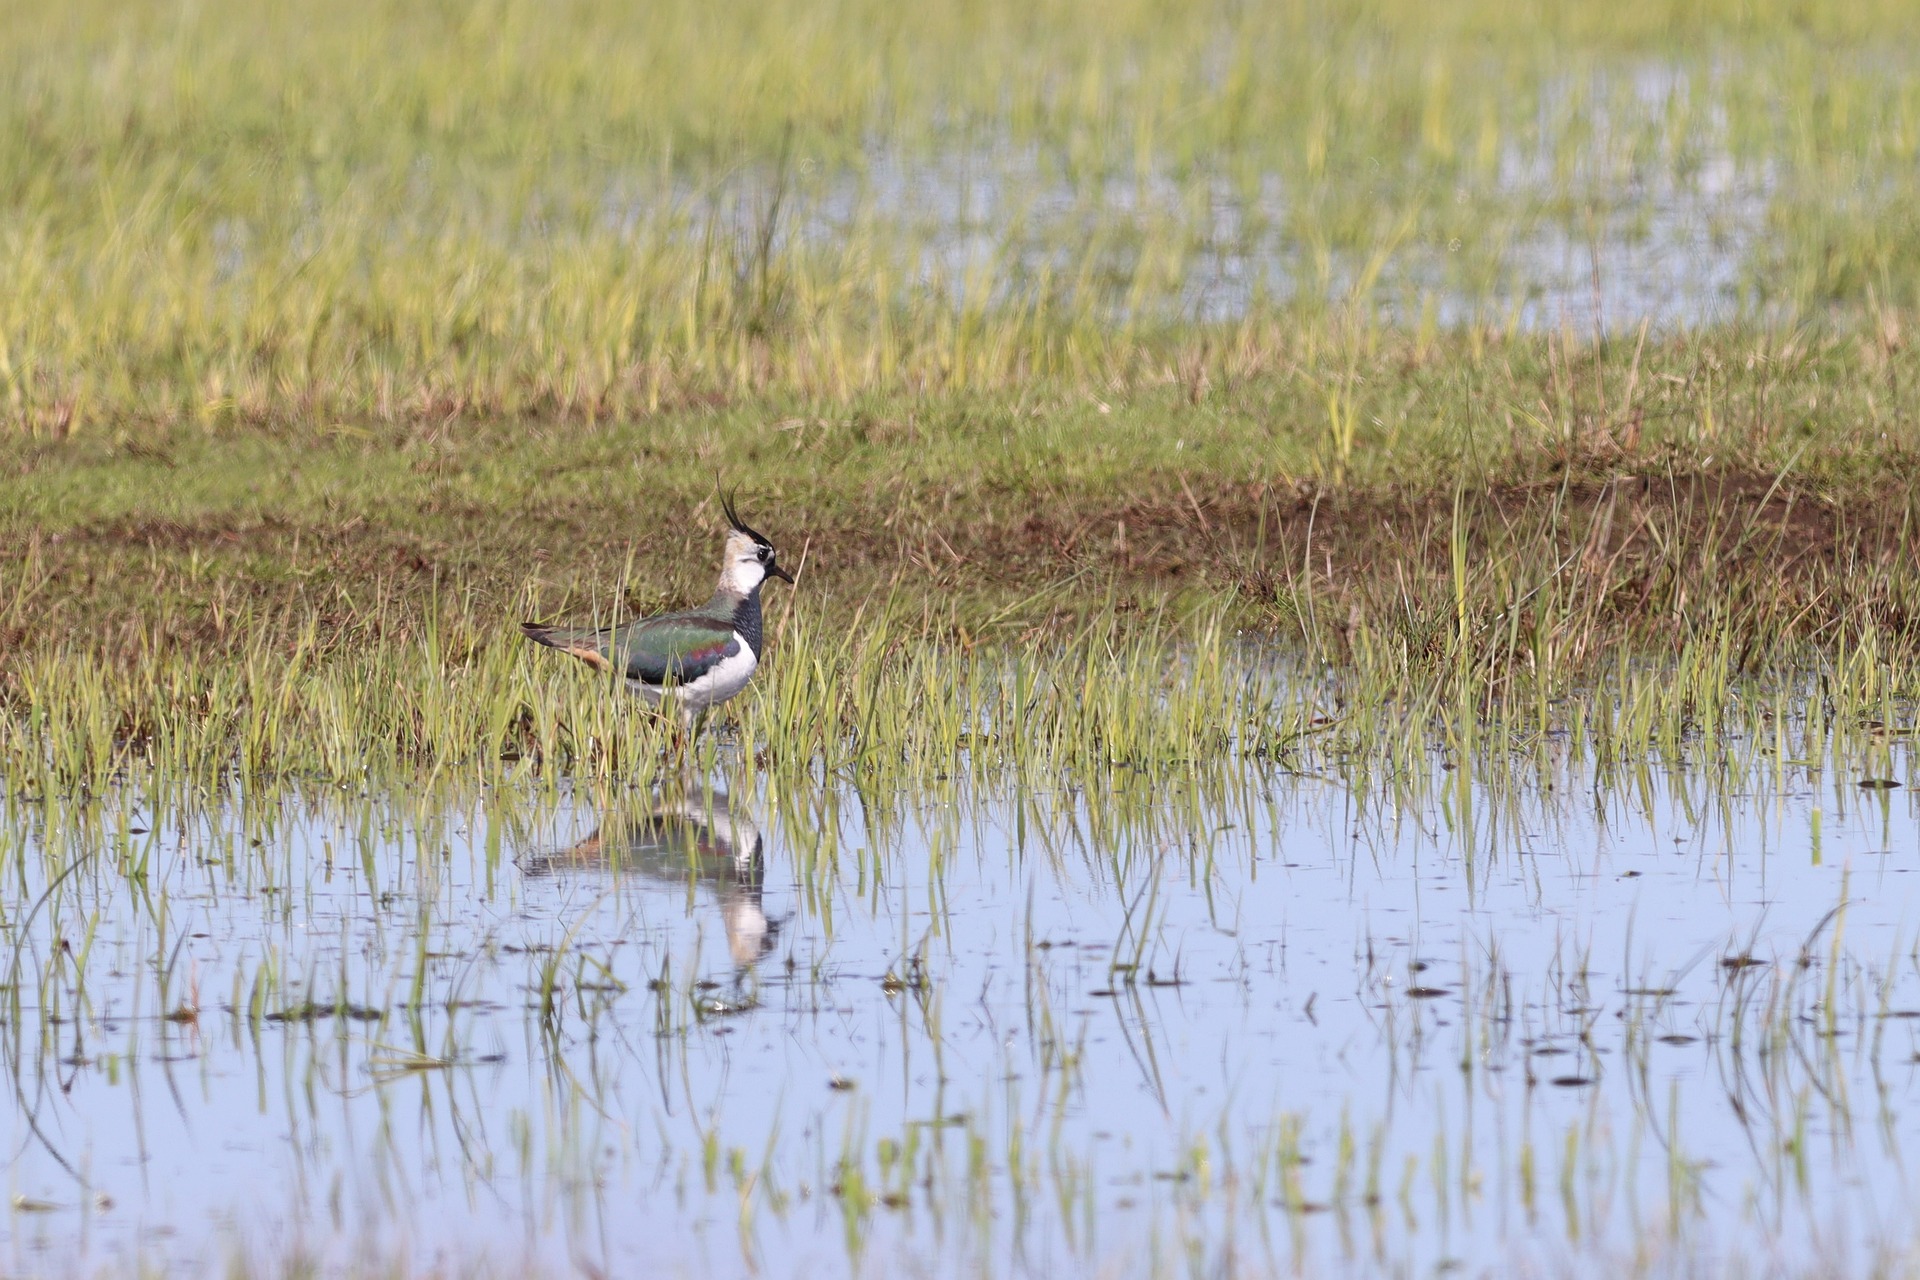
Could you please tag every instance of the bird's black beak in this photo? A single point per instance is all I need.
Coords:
(775, 571)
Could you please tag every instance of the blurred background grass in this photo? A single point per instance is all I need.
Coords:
(222, 214)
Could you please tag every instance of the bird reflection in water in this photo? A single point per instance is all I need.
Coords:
(702, 836)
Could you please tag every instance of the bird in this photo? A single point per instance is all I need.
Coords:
(697, 657)
(702, 838)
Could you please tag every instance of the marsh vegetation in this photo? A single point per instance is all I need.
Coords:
(1348, 710)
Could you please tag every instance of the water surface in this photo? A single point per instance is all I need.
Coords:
(1244, 1022)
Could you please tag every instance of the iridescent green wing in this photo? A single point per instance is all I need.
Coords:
(676, 648)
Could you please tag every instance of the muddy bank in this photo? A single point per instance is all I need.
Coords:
(1638, 551)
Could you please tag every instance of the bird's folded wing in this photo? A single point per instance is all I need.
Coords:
(675, 649)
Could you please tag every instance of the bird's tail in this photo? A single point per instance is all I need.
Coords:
(582, 644)
(540, 633)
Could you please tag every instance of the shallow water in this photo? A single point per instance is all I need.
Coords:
(1626, 239)
(1537, 1020)
(1601, 214)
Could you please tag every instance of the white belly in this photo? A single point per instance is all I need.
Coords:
(729, 677)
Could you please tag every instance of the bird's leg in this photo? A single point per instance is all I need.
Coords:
(683, 732)
(673, 718)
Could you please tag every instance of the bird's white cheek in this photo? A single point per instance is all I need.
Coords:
(746, 575)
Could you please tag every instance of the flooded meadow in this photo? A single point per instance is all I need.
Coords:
(1347, 709)
(1541, 1013)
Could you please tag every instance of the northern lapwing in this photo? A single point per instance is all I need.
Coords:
(697, 657)
(700, 837)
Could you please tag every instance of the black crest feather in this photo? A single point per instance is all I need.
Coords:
(733, 518)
